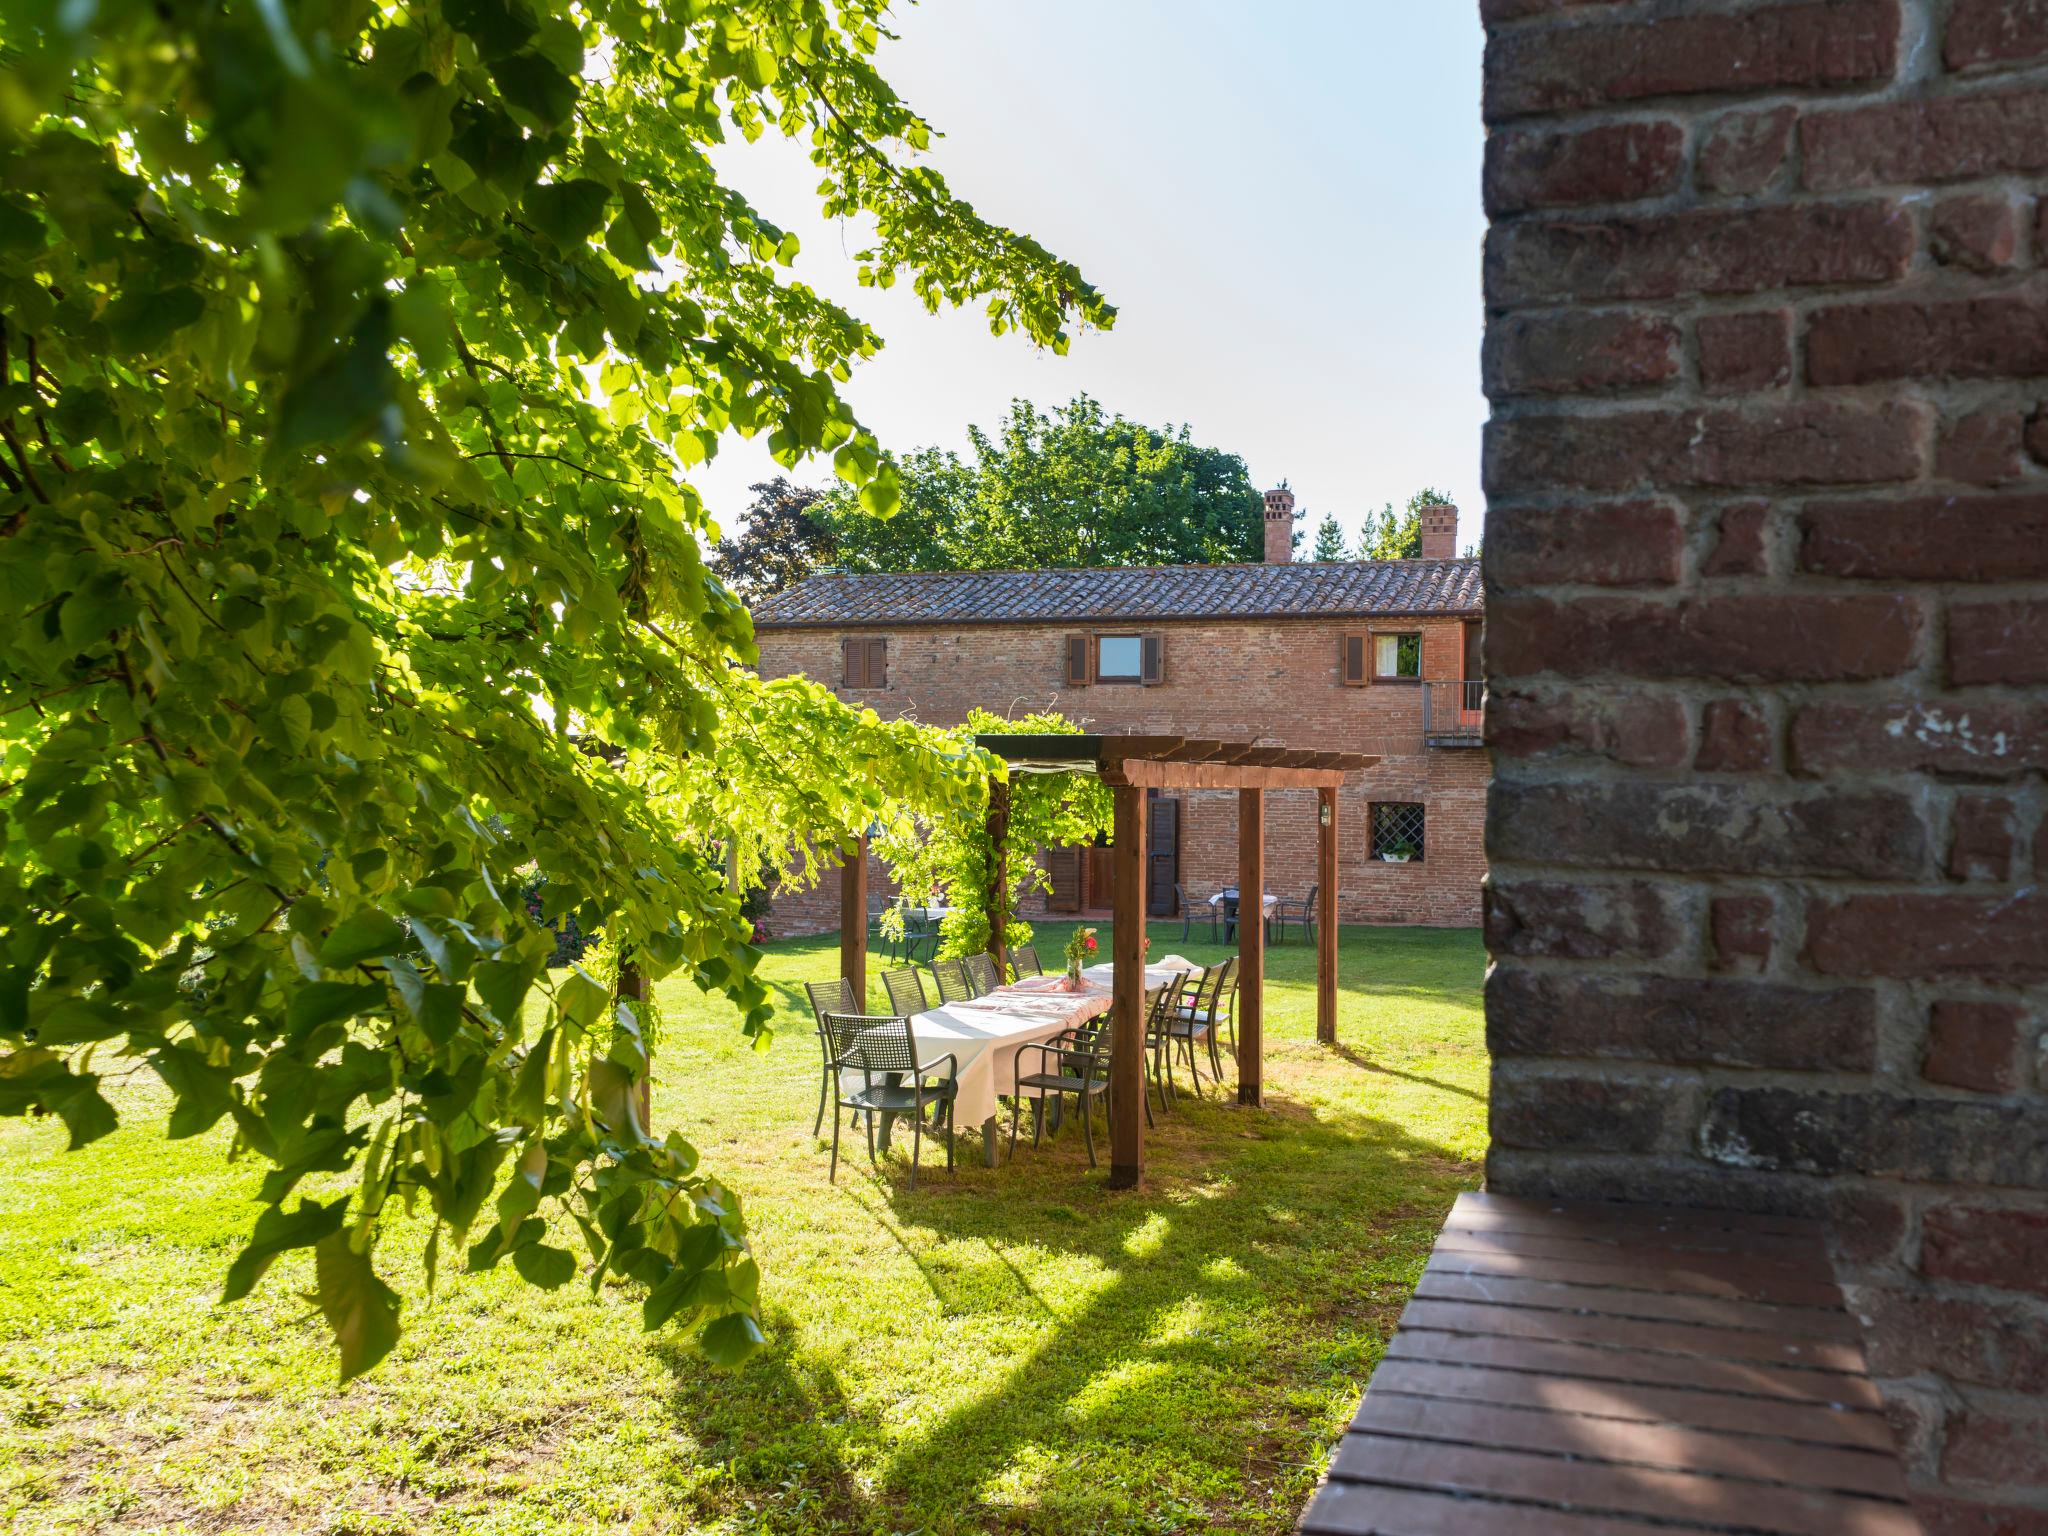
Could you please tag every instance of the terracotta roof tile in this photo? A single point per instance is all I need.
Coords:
(1309, 589)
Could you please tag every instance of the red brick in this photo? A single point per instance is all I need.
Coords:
(1995, 32)
(1985, 1343)
(1572, 920)
(2036, 436)
(1930, 936)
(1680, 1022)
(1982, 448)
(1739, 548)
(1707, 251)
(1744, 150)
(1986, 1245)
(1739, 353)
(1945, 138)
(1569, 354)
(2008, 1450)
(1592, 1114)
(1607, 544)
(2004, 642)
(1943, 1515)
(1946, 538)
(1983, 839)
(1614, 163)
(1805, 442)
(1641, 729)
(1880, 1135)
(1995, 336)
(1742, 929)
(1974, 1045)
(1708, 827)
(1998, 739)
(1980, 233)
(1762, 637)
(1734, 738)
(1830, 43)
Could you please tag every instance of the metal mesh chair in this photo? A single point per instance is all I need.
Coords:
(905, 986)
(893, 1081)
(1197, 1017)
(920, 931)
(1076, 1062)
(1161, 1007)
(955, 986)
(1024, 961)
(981, 970)
(835, 996)
(1298, 910)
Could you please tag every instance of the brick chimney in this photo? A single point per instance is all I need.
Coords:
(1279, 525)
(1439, 532)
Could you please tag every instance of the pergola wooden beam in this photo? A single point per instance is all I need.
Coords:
(853, 918)
(1251, 948)
(1127, 1031)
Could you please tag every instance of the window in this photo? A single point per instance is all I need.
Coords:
(1136, 658)
(1397, 832)
(867, 662)
(1396, 658)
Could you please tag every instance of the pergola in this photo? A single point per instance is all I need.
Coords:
(1132, 765)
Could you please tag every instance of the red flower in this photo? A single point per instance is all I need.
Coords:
(1091, 944)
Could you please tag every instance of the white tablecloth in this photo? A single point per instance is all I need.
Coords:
(1270, 900)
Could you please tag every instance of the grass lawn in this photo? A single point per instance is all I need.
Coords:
(1016, 1349)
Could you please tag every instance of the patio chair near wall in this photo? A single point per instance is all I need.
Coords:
(955, 986)
(1024, 961)
(893, 1080)
(905, 986)
(835, 996)
(1077, 1062)
(981, 970)
(1187, 909)
(1299, 910)
(920, 932)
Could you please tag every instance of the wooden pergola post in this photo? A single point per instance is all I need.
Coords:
(999, 875)
(1127, 1036)
(853, 919)
(1326, 919)
(1251, 948)
(632, 988)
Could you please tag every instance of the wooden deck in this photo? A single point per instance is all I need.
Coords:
(1611, 1370)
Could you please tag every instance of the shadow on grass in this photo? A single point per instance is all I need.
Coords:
(1360, 1060)
(1320, 1214)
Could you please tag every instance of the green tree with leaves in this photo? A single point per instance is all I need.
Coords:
(1329, 543)
(350, 358)
(1391, 535)
(783, 541)
(1071, 487)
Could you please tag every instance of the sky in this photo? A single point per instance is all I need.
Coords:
(1282, 200)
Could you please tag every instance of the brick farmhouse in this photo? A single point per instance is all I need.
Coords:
(1377, 656)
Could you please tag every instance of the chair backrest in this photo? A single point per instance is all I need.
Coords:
(841, 1033)
(1309, 900)
(1024, 959)
(1209, 994)
(834, 996)
(876, 1043)
(954, 984)
(981, 970)
(1165, 1001)
(905, 986)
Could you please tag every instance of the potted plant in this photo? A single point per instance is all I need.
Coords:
(1400, 853)
(1079, 949)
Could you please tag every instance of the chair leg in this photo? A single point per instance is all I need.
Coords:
(1016, 1110)
(1215, 1061)
(870, 1120)
(835, 1146)
(950, 1103)
(824, 1084)
(1037, 1120)
(1088, 1124)
(916, 1141)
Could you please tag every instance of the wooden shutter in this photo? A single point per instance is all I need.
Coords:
(1152, 648)
(1077, 661)
(1162, 862)
(855, 653)
(1063, 865)
(1352, 659)
(878, 663)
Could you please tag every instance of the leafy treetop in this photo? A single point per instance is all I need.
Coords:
(1391, 535)
(1329, 543)
(784, 539)
(351, 357)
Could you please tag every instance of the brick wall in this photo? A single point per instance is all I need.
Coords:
(1767, 564)
(1270, 681)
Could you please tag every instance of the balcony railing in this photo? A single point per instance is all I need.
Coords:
(1452, 713)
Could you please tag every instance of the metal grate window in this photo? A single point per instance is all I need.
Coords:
(1397, 830)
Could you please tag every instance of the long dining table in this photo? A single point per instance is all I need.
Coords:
(985, 1034)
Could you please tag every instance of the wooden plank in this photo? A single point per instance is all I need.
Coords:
(1591, 1362)
(1658, 1279)
(1251, 951)
(1127, 1032)
(1789, 1255)
(1604, 1301)
(1371, 1509)
(1804, 1249)
(1703, 1339)
(1607, 1489)
(1475, 1202)
(1146, 773)
(1670, 1401)
(1670, 1447)
(1326, 922)
(1733, 1275)
(853, 917)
